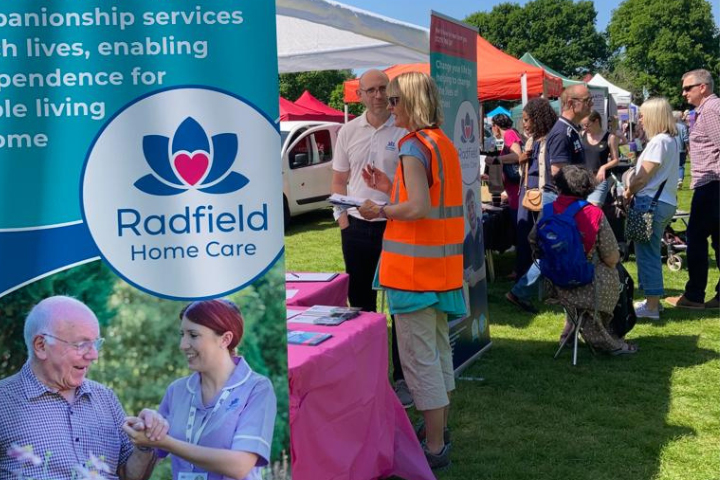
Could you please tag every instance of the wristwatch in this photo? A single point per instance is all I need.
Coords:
(382, 213)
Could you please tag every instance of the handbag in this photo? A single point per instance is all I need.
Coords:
(532, 200)
(639, 223)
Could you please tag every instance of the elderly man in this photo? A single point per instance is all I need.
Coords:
(54, 423)
(563, 147)
(370, 139)
(697, 87)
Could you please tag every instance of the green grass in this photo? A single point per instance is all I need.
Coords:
(650, 416)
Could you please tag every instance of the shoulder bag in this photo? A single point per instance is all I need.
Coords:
(639, 223)
(532, 200)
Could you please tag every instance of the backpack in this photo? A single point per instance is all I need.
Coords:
(563, 259)
(624, 317)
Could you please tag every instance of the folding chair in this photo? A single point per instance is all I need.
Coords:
(576, 318)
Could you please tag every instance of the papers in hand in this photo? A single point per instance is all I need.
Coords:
(345, 201)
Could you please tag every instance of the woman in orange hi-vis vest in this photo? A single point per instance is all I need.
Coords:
(421, 264)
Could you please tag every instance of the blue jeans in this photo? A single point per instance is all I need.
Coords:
(527, 286)
(599, 194)
(681, 169)
(647, 254)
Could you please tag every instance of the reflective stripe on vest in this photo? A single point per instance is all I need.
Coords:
(422, 251)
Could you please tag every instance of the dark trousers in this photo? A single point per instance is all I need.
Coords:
(361, 246)
(704, 222)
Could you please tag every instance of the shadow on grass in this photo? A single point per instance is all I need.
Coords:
(318, 220)
(539, 418)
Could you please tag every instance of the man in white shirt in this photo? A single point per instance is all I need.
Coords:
(370, 139)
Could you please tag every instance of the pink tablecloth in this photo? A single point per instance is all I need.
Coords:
(345, 420)
(334, 292)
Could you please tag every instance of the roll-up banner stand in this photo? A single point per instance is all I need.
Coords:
(453, 65)
(139, 173)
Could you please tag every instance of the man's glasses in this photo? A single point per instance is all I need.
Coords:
(372, 91)
(393, 101)
(687, 88)
(587, 100)
(82, 348)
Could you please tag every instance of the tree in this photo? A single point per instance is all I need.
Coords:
(559, 33)
(660, 40)
(320, 83)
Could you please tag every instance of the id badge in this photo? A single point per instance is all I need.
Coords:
(192, 476)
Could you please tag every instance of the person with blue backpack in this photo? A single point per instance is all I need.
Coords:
(578, 255)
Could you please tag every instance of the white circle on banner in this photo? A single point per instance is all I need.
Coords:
(466, 137)
(181, 193)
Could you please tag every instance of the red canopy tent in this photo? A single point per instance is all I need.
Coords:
(292, 111)
(308, 101)
(498, 76)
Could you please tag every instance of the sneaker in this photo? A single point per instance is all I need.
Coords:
(714, 303)
(519, 302)
(403, 393)
(420, 433)
(683, 302)
(438, 460)
(642, 311)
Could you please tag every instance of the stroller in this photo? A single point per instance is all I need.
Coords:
(674, 242)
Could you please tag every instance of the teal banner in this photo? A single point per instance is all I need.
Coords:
(140, 174)
(453, 65)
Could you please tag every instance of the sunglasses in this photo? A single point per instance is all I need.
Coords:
(393, 101)
(687, 88)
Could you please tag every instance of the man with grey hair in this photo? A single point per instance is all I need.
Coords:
(697, 88)
(55, 423)
(682, 140)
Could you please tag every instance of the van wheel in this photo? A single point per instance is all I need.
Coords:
(286, 213)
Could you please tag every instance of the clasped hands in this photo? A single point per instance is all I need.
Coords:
(148, 429)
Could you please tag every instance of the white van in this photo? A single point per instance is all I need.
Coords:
(307, 152)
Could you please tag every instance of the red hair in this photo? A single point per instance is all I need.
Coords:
(220, 316)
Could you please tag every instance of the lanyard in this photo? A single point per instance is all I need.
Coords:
(193, 412)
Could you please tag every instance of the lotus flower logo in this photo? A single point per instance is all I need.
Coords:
(468, 129)
(185, 162)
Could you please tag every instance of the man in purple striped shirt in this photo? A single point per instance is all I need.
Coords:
(705, 208)
(56, 424)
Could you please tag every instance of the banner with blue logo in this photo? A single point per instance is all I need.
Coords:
(139, 173)
(453, 65)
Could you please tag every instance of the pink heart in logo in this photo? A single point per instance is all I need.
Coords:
(191, 168)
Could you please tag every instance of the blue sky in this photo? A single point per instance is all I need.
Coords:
(418, 11)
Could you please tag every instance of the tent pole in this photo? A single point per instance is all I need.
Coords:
(346, 112)
(524, 89)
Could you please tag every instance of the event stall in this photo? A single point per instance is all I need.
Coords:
(325, 35)
(499, 76)
(308, 108)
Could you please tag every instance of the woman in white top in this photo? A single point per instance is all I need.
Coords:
(656, 170)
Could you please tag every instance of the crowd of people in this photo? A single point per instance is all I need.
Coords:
(409, 239)
(548, 165)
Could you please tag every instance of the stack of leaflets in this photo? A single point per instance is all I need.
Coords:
(298, 337)
(326, 315)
